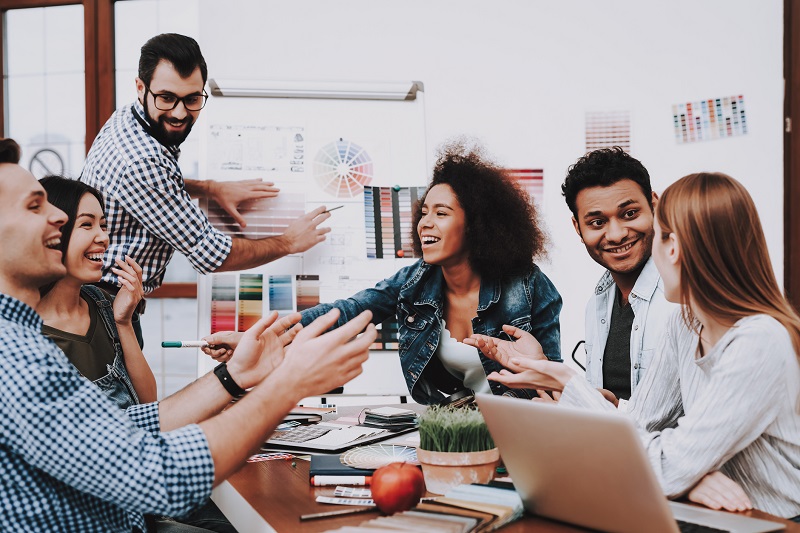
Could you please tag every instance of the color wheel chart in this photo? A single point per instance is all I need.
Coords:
(531, 180)
(267, 217)
(251, 299)
(705, 120)
(223, 302)
(343, 169)
(387, 219)
(605, 129)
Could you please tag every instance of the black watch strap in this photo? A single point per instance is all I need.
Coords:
(221, 371)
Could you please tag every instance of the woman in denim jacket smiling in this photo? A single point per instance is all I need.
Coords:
(478, 236)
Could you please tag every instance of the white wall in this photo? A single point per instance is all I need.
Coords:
(520, 75)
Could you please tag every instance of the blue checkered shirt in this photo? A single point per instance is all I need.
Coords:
(149, 212)
(70, 460)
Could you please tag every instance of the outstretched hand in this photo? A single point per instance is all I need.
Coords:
(229, 194)
(524, 346)
(261, 348)
(130, 293)
(718, 491)
(305, 232)
(534, 374)
(321, 360)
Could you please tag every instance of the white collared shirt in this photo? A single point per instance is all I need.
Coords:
(651, 312)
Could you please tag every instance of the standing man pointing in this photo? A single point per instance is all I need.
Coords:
(134, 163)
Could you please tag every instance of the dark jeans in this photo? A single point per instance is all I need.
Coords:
(796, 519)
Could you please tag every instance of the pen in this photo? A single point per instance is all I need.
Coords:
(326, 514)
(184, 344)
(333, 209)
(322, 481)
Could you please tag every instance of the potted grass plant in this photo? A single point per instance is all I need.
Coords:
(455, 448)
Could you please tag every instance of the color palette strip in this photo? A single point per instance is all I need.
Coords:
(307, 291)
(223, 302)
(251, 299)
(388, 335)
(387, 220)
(280, 294)
(531, 180)
(605, 129)
(267, 217)
(715, 118)
(343, 168)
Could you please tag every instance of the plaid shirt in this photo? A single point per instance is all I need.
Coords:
(70, 460)
(149, 212)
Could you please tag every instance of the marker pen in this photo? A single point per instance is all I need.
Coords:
(333, 209)
(324, 481)
(184, 344)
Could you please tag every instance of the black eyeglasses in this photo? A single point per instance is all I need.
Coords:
(168, 102)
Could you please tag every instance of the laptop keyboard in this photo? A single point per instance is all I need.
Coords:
(300, 434)
(691, 527)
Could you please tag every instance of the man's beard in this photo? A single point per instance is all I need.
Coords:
(159, 129)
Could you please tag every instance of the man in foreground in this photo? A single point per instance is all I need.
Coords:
(70, 460)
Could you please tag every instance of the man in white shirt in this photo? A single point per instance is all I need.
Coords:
(611, 200)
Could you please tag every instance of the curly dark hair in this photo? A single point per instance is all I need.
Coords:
(502, 225)
(602, 168)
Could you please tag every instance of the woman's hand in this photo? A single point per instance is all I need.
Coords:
(525, 346)
(534, 374)
(718, 491)
(130, 292)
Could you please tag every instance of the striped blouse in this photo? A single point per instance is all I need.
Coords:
(736, 410)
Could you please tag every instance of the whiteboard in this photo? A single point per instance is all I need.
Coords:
(332, 152)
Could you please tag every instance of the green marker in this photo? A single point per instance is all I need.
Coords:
(184, 344)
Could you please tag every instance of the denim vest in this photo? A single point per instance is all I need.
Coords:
(116, 384)
(651, 311)
(415, 296)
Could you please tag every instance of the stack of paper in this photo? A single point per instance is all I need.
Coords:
(465, 509)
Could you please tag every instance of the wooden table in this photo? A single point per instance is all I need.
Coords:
(271, 495)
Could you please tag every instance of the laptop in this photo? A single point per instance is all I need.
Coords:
(590, 469)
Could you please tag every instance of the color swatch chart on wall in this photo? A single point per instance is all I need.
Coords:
(388, 335)
(267, 217)
(715, 118)
(605, 129)
(531, 180)
(387, 219)
(343, 168)
(239, 300)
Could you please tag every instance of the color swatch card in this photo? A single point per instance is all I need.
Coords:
(531, 180)
(388, 335)
(387, 219)
(223, 302)
(716, 118)
(251, 299)
(266, 217)
(605, 129)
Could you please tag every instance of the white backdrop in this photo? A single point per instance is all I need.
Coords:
(520, 75)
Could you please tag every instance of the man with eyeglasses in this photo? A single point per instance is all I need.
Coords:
(134, 163)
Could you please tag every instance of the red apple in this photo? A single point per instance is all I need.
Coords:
(397, 487)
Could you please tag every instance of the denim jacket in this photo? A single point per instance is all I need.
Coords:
(117, 383)
(415, 296)
(651, 311)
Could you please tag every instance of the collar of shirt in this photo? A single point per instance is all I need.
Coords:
(645, 284)
(18, 312)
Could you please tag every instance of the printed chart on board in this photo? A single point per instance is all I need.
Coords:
(365, 158)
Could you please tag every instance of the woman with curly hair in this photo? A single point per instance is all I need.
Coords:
(478, 236)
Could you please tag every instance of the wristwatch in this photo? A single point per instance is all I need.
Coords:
(221, 371)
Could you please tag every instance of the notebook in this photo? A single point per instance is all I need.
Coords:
(327, 437)
(590, 469)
